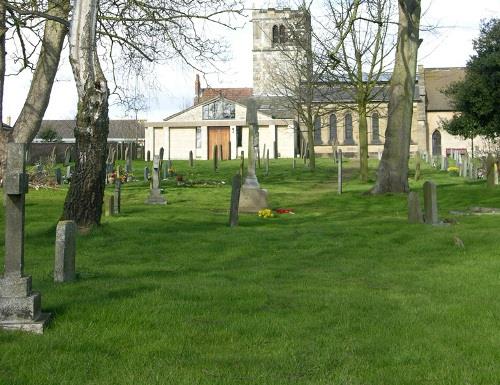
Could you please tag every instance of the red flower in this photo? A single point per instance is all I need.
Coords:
(284, 211)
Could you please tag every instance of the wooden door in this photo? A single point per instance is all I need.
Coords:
(218, 136)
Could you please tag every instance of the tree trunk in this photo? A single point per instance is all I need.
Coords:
(4, 134)
(363, 143)
(392, 175)
(30, 119)
(310, 145)
(85, 196)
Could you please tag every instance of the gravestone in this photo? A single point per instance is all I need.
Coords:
(221, 157)
(109, 205)
(148, 156)
(20, 307)
(164, 170)
(417, 165)
(490, 171)
(146, 174)
(339, 172)
(64, 264)
(430, 203)
(242, 164)
(68, 173)
(155, 197)
(117, 197)
(229, 150)
(67, 156)
(162, 152)
(495, 174)
(252, 197)
(53, 157)
(471, 169)
(191, 159)
(275, 148)
(128, 160)
(58, 175)
(379, 155)
(235, 199)
(444, 163)
(414, 211)
(267, 162)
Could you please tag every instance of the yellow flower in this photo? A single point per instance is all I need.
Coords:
(265, 213)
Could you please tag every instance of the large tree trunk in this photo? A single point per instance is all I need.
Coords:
(392, 175)
(363, 143)
(4, 134)
(30, 119)
(85, 196)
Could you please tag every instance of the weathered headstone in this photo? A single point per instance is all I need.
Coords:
(20, 308)
(164, 170)
(148, 156)
(252, 197)
(155, 197)
(67, 156)
(191, 159)
(339, 172)
(490, 171)
(235, 200)
(68, 173)
(242, 164)
(267, 162)
(275, 148)
(146, 174)
(430, 203)
(58, 175)
(221, 157)
(109, 205)
(414, 210)
(495, 174)
(162, 152)
(443, 163)
(64, 264)
(229, 150)
(117, 196)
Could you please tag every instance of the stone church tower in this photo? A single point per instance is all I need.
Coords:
(279, 36)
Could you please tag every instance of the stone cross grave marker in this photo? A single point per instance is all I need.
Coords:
(252, 197)
(235, 199)
(117, 196)
(430, 203)
(414, 211)
(20, 308)
(155, 197)
(65, 250)
(339, 172)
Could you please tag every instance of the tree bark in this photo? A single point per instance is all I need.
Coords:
(85, 196)
(363, 143)
(392, 174)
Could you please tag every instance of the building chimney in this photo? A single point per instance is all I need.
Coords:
(197, 89)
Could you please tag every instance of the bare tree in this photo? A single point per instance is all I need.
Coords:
(362, 60)
(392, 175)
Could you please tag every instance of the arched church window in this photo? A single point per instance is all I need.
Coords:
(436, 143)
(375, 128)
(348, 129)
(282, 34)
(317, 130)
(333, 128)
(276, 37)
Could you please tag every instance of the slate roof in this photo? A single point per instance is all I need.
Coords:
(436, 80)
(119, 129)
(235, 94)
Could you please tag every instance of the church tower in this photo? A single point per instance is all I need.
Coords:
(279, 35)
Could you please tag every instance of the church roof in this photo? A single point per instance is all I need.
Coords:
(436, 80)
(234, 94)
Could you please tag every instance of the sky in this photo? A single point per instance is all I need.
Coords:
(449, 44)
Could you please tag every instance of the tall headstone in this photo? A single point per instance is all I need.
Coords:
(109, 205)
(164, 170)
(242, 164)
(68, 172)
(146, 174)
(443, 163)
(58, 175)
(490, 171)
(191, 159)
(495, 174)
(215, 151)
(235, 199)
(339, 172)
(155, 197)
(221, 156)
(148, 156)
(20, 307)
(417, 165)
(414, 211)
(252, 197)
(117, 196)
(162, 152)
(275, 148)
(67, 156)
(430, 203)
(65, 250)
(229, 150)
(267, 162)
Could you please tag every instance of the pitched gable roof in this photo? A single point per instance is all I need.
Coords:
(436, 80)
(119, 129)
(229, 93)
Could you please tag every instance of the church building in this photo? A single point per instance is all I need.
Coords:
(218, 115)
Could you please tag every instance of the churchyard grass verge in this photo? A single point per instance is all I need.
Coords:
(346, 292)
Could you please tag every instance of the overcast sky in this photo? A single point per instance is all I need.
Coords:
(449, 45)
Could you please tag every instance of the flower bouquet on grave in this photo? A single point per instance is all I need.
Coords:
(265, 213)
(453, 171)
(284, 211)
(171, 171)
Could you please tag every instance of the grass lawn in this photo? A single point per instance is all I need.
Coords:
(342, 292)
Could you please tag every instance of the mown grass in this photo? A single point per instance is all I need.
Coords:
(342, 292)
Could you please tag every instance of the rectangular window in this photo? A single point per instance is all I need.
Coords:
(198, 137)
(218, 110)
(239, 136)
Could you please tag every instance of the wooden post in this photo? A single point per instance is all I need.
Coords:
(339, 176)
